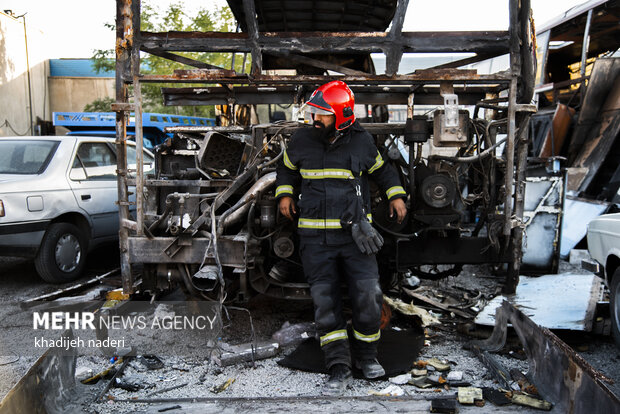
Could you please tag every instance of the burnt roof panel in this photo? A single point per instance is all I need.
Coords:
(316, 15)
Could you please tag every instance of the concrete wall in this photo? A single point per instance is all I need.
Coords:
(71, 94)
(14, 102)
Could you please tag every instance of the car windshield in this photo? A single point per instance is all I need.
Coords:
(25, 157)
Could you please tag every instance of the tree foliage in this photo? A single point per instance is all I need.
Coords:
(174, 18)
(100, 105)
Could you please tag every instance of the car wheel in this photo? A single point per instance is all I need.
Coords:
(614, 306)
(62, 254)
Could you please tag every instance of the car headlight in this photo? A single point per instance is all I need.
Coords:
(1, 209)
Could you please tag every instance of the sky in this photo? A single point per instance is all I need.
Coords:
(74, 28)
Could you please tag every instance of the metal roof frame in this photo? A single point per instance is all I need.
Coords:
(131, 41)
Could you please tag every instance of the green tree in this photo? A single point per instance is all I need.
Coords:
(174, 18)
(100, 105)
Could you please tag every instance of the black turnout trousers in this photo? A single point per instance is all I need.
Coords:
(326, 267)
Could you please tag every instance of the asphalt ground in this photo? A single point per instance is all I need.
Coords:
(266, 386)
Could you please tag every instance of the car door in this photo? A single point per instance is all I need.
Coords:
(93, 181)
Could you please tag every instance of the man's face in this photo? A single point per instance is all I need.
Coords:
(324, 121)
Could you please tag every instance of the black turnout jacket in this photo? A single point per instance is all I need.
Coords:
(331, 181)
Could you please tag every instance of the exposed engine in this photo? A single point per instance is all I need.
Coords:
(211, 208)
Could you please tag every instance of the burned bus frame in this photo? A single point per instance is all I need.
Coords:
(224, 86)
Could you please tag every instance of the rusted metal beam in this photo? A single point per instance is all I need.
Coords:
(218, 95)
(120, 107)
(231, 251)
(512, 278)
(584, 53)
(124, 43)
(252, 25)
(515, 65)
(185, 60)
(514, 268)
(137, 93)
(139, 133)
(514, 32)
(527, 52)
(560, 374)
(327, 42)
(399, 19)
(521, 89)
(394, 53)
(419, 77)
(371, 95)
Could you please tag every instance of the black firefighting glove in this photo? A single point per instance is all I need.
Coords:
(368, 240)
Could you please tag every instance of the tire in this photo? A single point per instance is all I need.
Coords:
(614, 306)
(62, 254)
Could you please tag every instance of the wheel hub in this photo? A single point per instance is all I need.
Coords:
(68, 253)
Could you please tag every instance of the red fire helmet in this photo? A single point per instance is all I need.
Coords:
(335, 98)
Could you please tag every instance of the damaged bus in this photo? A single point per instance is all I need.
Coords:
(207, 220)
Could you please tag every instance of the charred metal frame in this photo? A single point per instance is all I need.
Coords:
(386, 88)
(561, 375)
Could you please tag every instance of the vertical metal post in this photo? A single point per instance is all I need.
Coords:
(411, 151)
(245, 58)
(410, 99)
(234, 54)
(510, 154)
(519, 205)
(394, 53)
(252, 26)
(515, 65)
(514, 266)
(137, 94)
(584, 54)
(124, 36)
(586, 44)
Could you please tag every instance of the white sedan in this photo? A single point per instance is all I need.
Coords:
(58, 200)
(604, 247)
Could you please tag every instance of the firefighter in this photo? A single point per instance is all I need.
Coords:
(327, 166)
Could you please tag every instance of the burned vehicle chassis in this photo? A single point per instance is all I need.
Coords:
(207, 219)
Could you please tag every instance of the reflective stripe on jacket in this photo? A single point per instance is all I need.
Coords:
(326, 175)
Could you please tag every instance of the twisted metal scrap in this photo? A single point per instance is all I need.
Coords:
(560, 374)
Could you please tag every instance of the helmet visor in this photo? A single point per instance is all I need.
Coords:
(314, 110)
(308, 112)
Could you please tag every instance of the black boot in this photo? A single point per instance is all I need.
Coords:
(339, 379)
(370, 367)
